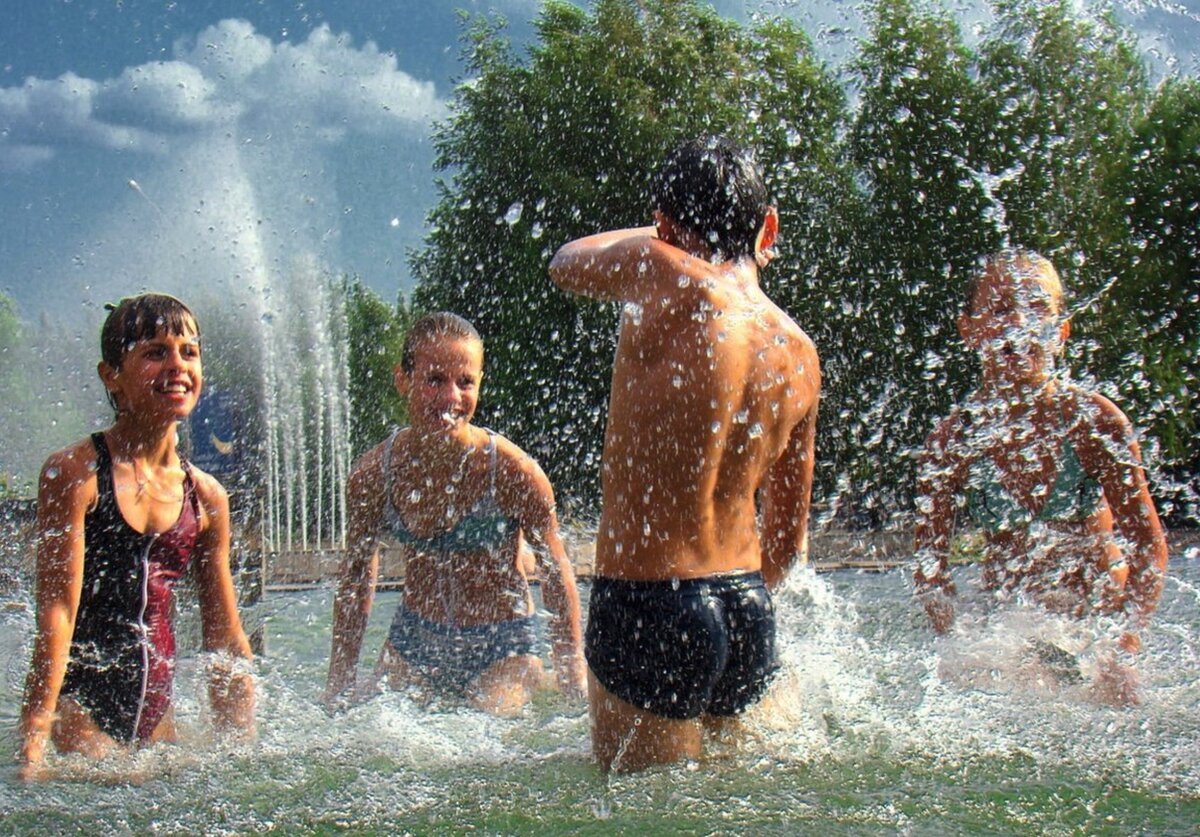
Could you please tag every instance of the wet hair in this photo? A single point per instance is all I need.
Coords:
(438, 325)
(713, 187)
(141, 317)
(1008, 261)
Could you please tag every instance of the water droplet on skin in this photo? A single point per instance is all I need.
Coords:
(646, 528)
(716, 427)
(677, 382)
(52, 473)
(756, 430)
(741, 417)
(414, 496)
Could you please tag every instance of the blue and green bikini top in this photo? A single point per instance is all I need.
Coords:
(1074, 495)
(485, 527)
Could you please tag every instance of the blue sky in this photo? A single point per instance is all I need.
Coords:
(264, 137)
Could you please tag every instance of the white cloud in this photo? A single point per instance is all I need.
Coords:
(324, 87)
(44, 114)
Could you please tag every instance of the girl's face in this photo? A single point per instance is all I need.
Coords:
(1015, 324)
(160, 378)
(443, 387)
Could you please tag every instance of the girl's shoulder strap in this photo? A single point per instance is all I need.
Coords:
(103, 457)
(385, 463)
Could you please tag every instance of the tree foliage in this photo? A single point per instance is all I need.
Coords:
(375, 332)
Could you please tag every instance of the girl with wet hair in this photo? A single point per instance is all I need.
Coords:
(461, 502)
(1047, 472)
(121, 518)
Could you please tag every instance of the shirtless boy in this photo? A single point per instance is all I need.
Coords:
(713, 406)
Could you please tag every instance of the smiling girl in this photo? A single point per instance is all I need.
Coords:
(121, 518)
(460, 501)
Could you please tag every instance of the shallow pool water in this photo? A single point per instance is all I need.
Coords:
(873, 727)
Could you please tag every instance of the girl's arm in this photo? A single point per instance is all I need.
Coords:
(231, 683)
(356, 577)
(65, 491)
(539, 522)
(1110, 452)
(939, 479)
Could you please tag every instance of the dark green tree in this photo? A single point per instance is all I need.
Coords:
(915, 145)
(1150, 344)
(375, 332)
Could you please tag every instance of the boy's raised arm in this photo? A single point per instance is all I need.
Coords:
(598, 265)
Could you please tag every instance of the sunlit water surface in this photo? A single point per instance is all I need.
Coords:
(873, 727)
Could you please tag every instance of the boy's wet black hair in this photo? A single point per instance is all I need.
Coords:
(141, 317)
(435, 325)
(713, 187)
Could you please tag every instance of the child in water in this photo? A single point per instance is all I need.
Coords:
(1044, 469)
(121, 518)
(460, 501)
(711, 422)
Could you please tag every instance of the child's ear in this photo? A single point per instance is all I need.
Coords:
(108, 376)
(767, 234)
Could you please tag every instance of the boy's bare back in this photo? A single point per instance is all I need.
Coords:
(714, 397)
(710, 380)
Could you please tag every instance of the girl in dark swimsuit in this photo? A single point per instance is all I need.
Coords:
(121, 517)
(460, 502)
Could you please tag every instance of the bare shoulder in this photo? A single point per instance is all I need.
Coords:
(369, 466)
(1094, 411)
(67, 485)
(209, 491)
(70, 466)
(515, 464)
(521, 479)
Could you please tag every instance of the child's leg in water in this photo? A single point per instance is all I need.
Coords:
(74, 731)
(507, 685)
(393, 671)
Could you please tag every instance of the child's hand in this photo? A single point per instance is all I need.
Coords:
(940, 611)
(1116, 684)
(571, 669)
